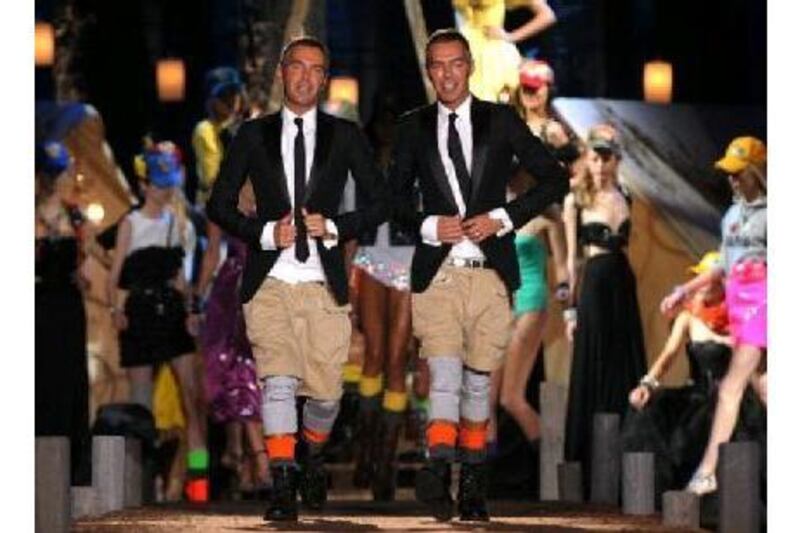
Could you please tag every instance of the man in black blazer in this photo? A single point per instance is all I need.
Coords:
(460, 151)
(294, 286)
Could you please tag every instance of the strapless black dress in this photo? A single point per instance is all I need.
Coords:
(609, 352)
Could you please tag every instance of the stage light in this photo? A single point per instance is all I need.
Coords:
(343, 89)
(171, 80)
(658, 82)
(95, 212)
(45, 44)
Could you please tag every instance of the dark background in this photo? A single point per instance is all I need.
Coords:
(598, 48)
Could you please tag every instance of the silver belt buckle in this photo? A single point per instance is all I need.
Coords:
(459, 262)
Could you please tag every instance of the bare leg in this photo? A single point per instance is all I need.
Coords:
(743, 364)
(522, 353)
(254, 433)
(185, 373)
(422, 374)
(399, 334)
(140, 381)
(233, 444)
(177, 471)
(373, 299)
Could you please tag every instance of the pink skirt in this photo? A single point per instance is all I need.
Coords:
(746, 296)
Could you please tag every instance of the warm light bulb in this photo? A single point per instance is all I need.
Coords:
(45, 44)
(658, 82)
(171, 80)
(95, 212)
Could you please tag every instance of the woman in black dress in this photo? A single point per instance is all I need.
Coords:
(608, 353)
(153, 324)
(62, 384)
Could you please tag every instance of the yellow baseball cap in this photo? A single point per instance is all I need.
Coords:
(741, 152)
(709, 261)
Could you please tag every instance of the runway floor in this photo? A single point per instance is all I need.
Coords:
(351, 513)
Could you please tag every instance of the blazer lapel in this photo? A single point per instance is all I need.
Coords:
(430, 133)
(322, 149)
(480, 146)
(272, 143)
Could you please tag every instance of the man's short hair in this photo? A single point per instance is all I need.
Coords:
(309, 41)
(446, 35)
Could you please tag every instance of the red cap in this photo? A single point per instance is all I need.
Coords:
(534, 73)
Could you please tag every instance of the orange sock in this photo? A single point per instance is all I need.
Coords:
(472, 441)
(472, 435)
(314, 437)
(280, 448)
(441, 433)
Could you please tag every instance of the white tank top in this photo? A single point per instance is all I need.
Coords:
(152, 231)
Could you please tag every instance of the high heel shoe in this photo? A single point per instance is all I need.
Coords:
(701, 483)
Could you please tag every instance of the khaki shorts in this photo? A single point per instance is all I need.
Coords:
(299, 330)
(464, 311)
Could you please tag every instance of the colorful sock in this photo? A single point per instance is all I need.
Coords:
(369, 388)
(280, 449)
(395, 402)
(318, 419)
(351, 375)
(420, 404)
(197, 475)
(472, 441)
(441, 436)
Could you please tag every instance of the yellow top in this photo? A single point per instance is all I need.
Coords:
(496, 61)
(208, 152)
(480, 13)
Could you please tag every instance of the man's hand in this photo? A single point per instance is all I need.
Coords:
(285, 232)
(480, 227)
(448, 229)
(315, 224)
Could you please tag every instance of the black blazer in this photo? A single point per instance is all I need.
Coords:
(498, 134)
(255, 152)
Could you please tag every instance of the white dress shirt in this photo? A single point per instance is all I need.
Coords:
(287, 268)
(465, 249)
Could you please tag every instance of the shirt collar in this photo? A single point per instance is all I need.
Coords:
(463, 110)
(309, 118)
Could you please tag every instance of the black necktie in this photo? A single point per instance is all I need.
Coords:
(457, 157)
(301, 239)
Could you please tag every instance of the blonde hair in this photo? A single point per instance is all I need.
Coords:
(586, 189)
(180, 208)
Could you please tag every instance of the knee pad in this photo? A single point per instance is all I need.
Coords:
(445, 387)
(278, 411)
(475, 395)
(319, 415)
